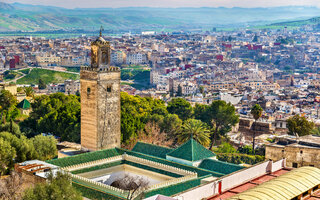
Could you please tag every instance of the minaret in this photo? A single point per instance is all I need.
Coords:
(100, 100)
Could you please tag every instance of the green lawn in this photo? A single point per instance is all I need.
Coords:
(25, 71)
(73, 69)
(48, 76)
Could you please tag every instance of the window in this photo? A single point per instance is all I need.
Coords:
(301, 152)
(88, 90)
(295, 165)
(109, 89)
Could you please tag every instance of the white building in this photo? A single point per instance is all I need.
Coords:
(136, 58)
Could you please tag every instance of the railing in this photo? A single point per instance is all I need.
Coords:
(172, 181)
(188, 174)
(157, 165)
(92, 163)
(98, 185)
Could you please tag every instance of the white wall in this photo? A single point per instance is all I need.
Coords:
(243, 176)
(278, 165)
(231, 181)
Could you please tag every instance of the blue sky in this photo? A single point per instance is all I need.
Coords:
(168, 3)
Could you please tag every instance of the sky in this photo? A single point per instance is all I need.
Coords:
(168, 3)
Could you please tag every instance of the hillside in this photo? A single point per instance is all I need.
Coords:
(298, 23)
(30, 18)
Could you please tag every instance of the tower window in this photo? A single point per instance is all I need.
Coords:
(109, 89)
(88, 90)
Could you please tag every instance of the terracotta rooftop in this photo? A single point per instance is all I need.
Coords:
(250, 184)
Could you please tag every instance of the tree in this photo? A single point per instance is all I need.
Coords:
(221, 116)
(171, 125)
(11, 127)
(7, 155)
(180, 107)
(29, 91)
(226, 147)
(58, 114)
(200, 112)
(23, 147)
(256, 112)
(316, 131)
(299, 126)
(131, 184)
(135, 112)
(45, 146)
(42, 85)
(11, 186)
(7, 102)
(179, 92)
(195, 129)
(57, 187)
(246, 150)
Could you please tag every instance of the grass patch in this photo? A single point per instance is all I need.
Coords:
(73, 69)
(10, 75)
(48, 76)
(25, 71)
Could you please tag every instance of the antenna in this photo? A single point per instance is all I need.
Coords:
(101, 29)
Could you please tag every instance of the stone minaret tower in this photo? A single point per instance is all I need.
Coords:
(100, 100)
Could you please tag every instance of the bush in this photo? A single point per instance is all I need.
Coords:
(225, 148)
(240, 158)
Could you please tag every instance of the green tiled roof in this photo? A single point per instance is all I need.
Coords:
(191, 151)
(219, 166)
(24, 104)
(175, 189)
(85, 157)
(151, 149)
(199, 171)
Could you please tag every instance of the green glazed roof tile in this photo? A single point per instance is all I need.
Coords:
(191, 151)
(219, 166)
(151, 149)
(24, 104)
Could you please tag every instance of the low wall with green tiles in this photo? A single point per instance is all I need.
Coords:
(93, 193)
(85, 157)
(200, 172)
(174, 189)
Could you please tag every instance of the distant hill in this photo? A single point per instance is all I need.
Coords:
(23, 17)
(5, 6)
(298, 23)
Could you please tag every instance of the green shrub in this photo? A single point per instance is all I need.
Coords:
(237, 158)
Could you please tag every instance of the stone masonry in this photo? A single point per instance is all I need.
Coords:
(100, 100)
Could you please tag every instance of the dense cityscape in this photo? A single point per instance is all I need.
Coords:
(162, 115)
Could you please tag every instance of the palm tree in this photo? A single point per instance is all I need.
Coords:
(195, 129)
(316, 131)
(29, 91)
(256, 112)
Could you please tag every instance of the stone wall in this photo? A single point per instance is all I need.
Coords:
(109, 124)
(100, 108)
(89, 112)
(296, 155)
(248, 126)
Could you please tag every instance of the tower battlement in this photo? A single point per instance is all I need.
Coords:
(107, 69)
